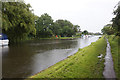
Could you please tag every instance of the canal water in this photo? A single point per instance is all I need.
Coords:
(28, 58)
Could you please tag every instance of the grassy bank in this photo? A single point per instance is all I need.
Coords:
(115, 46)
(83, 64)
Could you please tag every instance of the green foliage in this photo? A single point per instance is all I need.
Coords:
(47, 28)
(116, 20)
(0, 17)
(44, 26)
(19, 23)
(17, 20)
(78, 34)
(108, 29)
(65, 28)
(76, 28)
(85, 32)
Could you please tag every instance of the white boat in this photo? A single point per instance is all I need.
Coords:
(3, 40)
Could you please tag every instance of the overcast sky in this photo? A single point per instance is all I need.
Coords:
(90, 15)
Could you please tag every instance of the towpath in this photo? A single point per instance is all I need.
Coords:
(109, 67)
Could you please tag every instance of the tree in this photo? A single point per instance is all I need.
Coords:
(116, 20)
(0, 17)
(67, 31)
(76, 28)
(44, 26)
(17, 20)
(108, 29)
(85, 32)
(66, 28)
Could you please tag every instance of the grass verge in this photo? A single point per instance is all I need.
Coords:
(115, 46)
(83, 64)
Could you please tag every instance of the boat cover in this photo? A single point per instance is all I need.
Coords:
(3, 36)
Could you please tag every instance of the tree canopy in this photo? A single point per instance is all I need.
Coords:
(85, 32)
(46, 27)
(17, 20)
(65, 28)
(116, 20)
(113, 28)
(108, 29)
(19, 23)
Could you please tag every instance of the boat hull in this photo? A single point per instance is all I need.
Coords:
(4, 42)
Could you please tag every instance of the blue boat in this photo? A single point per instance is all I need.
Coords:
(3, 39)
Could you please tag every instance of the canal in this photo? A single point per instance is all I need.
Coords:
(28, 58)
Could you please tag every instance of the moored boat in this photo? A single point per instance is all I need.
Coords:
(3, 39)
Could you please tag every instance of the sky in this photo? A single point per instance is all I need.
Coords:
(90, 15)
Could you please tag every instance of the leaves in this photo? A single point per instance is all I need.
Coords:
(18, 21)
(108, 29)
(43, 25)
(116, 20)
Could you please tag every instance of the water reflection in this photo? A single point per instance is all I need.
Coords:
(0, 62)
(31, 57)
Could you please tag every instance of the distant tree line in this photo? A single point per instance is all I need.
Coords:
(20, 23)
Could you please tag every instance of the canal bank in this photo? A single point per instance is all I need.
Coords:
(84, 64)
